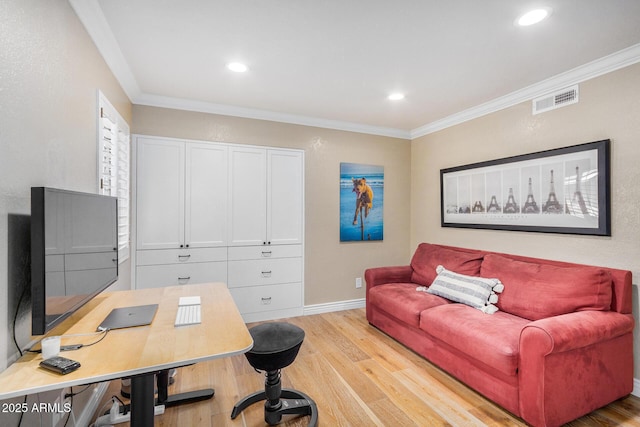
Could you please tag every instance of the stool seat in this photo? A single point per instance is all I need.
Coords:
(275, 345)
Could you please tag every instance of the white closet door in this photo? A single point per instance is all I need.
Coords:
(160, 194)
(206, 195)
(247, 196)
(284, 197)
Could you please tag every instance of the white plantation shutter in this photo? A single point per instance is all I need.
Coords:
(114, 144)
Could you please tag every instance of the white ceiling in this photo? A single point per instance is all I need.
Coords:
(332, 63)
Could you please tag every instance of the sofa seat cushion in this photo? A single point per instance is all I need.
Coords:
(493, 340)
(427, 257)
(537, 291)
(402, 301)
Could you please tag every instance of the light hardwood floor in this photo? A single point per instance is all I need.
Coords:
(358, 376)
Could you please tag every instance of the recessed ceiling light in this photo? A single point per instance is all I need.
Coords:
(396, 96)
(534, 16)
(237, 67)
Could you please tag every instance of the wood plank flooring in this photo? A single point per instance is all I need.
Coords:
(358, 376)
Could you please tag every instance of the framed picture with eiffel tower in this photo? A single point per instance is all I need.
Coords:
(564, 190)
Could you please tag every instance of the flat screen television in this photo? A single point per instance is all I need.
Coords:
(74, 252)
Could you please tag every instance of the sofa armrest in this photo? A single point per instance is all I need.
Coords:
(565, 360)
(574, 330)
(381, 275)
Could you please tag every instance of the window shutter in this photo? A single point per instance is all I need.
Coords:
(114, 146)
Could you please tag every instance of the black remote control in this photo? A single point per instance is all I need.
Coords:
(60, 364)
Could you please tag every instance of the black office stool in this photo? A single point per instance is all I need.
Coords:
(275, 346)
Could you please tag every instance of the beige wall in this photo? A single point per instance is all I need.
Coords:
(330, 266)
(50, 72)
(609, 107)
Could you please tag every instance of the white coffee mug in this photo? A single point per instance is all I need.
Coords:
(50, 347)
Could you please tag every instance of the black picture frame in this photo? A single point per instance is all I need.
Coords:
(564, 190)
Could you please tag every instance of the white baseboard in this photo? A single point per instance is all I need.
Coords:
(334, 306)
(636, 387)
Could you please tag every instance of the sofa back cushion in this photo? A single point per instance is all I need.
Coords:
(536, 290)
(427, 258)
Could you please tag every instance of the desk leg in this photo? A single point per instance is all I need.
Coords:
(142, 400)
(180, 398)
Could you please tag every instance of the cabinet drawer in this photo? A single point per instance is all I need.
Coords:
(266, 251)
(90, 261)
(75, 282)
(155, 276)
(253, 299)
(53, 263)
(264, 272)
(180, 256)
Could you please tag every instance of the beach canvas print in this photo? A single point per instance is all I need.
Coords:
(361, 202)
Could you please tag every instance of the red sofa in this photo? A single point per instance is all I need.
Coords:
(559, 346)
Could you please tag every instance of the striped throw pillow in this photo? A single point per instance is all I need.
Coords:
(477, 292)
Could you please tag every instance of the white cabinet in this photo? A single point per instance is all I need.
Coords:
(181, 211)
(265, 196)
(222, 212)
(266, 281)
(263, 271)
(181, 194)
(159, 193)
(247, 196)
(268, 302)
(170, 267)
(284, 197)
(205, 195)
(265, 267)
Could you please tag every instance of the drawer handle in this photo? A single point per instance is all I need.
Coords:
(266, 274)
(266, 253)
(184, 256)
(266, 301)
(184, 278)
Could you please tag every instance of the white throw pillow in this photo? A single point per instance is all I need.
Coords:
(477, 292)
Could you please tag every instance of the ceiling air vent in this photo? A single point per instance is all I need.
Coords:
(555, 100)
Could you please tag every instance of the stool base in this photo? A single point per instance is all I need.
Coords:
(293, 403)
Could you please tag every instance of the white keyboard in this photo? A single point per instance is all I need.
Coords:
(188, 311)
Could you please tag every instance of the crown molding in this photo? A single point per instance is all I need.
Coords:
(607, 64)
(92, 17)
(257, 114)
(90, 14)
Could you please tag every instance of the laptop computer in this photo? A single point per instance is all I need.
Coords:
(127, 317)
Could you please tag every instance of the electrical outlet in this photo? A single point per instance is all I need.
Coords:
(358, 282)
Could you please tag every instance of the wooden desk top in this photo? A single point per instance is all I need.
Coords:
(142, 349)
